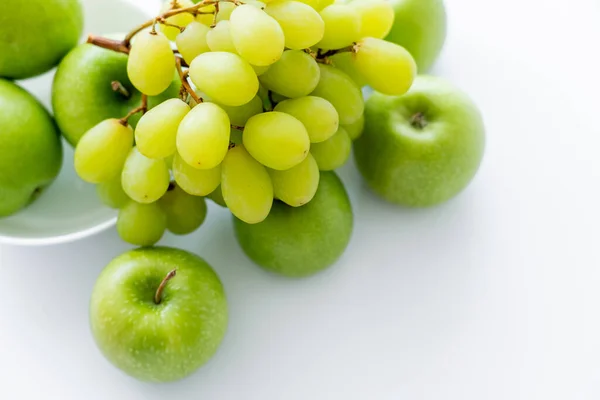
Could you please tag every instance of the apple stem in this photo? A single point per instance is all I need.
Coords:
(161, 287)
(119, 88)
(185, 85)
(418, 120)
(141, 108)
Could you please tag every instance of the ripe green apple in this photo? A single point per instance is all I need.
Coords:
(83, 94)
(422, 148)
(30, 148)
(419, 27)
(35, 35)
(158, 313)
(301, 241)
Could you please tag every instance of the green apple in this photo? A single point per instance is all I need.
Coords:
(158, 313)
(301, 241)
(422, 148)
(419, 27)
(35, 35)
(30, 148)
(86, 90)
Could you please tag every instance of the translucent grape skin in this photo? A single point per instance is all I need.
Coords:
(151, 63)
(257, 37)
(296, 74)
(144, 180)
(197, 182)
(101, 151)
(206, 19)
(225, 77)
(298, 185)
(318, 5)
(185, 213)
(276, 140)
(345, 61)
(219, 38)
(239, 115)
(182, 19)
(217, 197)
(342, 26)
(387, 67)
(334, 152)
(156, 131)
(318, 116)
(111, 193)
(302, 26)
(225, 10)
(340, 90)
(377, 17)
(192, 41)
(246, 186)
(141, 224)
(203, 136)
(355, 129)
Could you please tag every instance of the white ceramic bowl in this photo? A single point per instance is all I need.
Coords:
(69, 209)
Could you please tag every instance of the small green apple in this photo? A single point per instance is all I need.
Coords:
(30, 148)
(422, 148)
(301, 241)
(36, 34)
(91, 85)
(419, 27)
(158, 313)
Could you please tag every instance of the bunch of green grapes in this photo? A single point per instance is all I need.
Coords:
(271, 95)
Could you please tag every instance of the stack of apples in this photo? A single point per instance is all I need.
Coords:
(252, 105)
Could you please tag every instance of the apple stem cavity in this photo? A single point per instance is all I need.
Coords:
(161, 287)
(418, 120)
(141, 108)
(119, 88)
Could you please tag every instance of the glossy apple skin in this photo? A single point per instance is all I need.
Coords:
(82, 95)
(301, 241)
(420, 27)
(420, 167)
(35, 35)
(30, 148)
(158, 342)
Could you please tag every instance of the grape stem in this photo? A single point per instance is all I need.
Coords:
(239, 128)
(141, 108)
(185, 85)
(330, 53)
(109, 44)
(165, 23)
(214, 23)
(161, 287)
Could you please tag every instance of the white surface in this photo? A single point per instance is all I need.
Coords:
(492, 296)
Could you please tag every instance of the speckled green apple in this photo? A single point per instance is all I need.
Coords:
(155, 324)
(83, 94)
(422, 148)
(36, 34)
(419, 27)
(30, 148)
(301, 241)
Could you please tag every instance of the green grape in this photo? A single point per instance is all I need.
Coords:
(169, 161)
(101, 151)
(387, 67)
(277, 98)
(302, 26)
(296, 74)
(276, 140)
(156, 131)
(318, 4)
(185, 213)
(355, 129)
(340, 90)
(141, 224)
(219, 38)
(217, 197)
(342, 26)
(197, 182)
(225, 77)
(192, 41)
(345, 61)
(239, 115)
(334, 152)
(318, 116)
(377, 17)
(298, 185)
(225, 10)
(111, 193)
(206, 19)
(246, 186)
(151, 63)
(203, 136)
(182, 20)
(144, 180)
(259, 70)
(257, 37)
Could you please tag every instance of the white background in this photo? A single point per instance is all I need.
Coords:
(495, 295)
